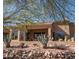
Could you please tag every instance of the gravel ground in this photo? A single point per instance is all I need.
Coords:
(35, 51)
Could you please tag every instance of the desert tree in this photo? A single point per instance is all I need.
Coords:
(29, 11)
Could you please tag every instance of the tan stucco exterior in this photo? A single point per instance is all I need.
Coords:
(48, 29)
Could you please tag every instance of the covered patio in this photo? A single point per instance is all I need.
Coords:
(31, 32)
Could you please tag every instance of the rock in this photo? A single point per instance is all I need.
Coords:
(21, 45)
(72, 39)
(38, 54)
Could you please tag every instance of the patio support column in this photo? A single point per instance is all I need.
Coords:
(49, 33)
(65, 39)
(24, 36)
(10, 34)
(18, 35)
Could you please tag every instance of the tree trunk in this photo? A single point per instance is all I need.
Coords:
(44, 45)
(7, 45)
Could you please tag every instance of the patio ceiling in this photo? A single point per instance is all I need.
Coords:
(19, 27)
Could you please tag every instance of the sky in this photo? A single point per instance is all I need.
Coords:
(8, 9)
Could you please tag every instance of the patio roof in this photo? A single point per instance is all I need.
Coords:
(36, 25)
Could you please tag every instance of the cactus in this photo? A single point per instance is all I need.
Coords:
(43, 39)
(7, 40)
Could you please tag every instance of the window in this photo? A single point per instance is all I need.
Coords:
(58, 35)
(14, 34)
(38, 34)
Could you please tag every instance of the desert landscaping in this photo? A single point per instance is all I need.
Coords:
(39, 29)
(34, 50)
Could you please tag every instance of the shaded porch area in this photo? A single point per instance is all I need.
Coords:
(32, 31)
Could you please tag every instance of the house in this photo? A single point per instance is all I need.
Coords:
(48, 29)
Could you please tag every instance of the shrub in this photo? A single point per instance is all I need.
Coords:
(43, 39)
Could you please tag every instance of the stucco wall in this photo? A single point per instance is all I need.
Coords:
(61, 28)
(72, 30)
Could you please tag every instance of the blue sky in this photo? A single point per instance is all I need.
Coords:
(70, 7)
